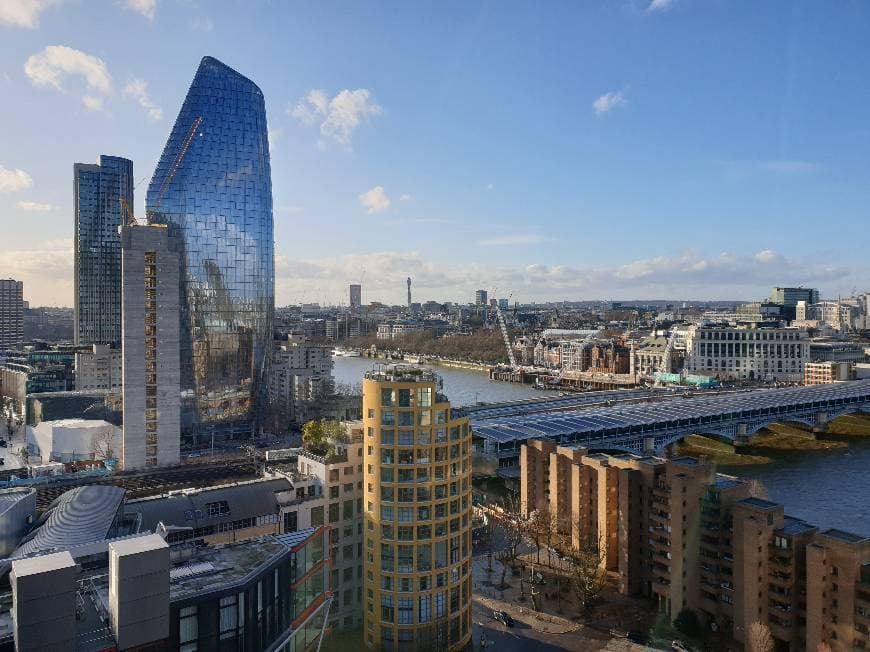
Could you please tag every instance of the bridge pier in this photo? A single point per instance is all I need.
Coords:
(821, 422)
(649, 445)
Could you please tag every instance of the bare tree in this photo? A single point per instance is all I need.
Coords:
(586, 571)
(102, 443)
(514, 525)
(757, 489)
(760, 638)
(538, 528)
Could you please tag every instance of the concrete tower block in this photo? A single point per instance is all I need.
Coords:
(44, 602)
(139, 590)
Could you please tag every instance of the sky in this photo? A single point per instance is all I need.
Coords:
(610, 149)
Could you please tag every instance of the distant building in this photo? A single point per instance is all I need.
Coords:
(480, 298)
(152, 390)
(823, 373)
(836, 351)
(355, 296)
(790, 296)
(99, 191)
(739, 353)
(99, 369)
(300, 378)
(503, 304)
(11, 314)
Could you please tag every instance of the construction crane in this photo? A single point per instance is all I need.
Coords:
(176, 162)
(507, 342)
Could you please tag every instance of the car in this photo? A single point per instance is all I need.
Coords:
(2, 443)
(503, 617)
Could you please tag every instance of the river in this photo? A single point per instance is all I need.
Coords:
(828, 488)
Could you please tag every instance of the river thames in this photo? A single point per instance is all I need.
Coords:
(828, 488)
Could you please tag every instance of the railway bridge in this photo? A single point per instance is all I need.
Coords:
(649, 427)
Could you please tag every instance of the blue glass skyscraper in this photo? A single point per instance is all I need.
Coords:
(98, 193)
(213, 187)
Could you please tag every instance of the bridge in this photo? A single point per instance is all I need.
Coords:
(651, 426)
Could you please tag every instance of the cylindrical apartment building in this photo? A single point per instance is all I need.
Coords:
(418, 513)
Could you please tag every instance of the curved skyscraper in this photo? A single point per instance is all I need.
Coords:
(213, 188)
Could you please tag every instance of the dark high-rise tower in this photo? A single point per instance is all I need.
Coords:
(213, 188)
(98, 191)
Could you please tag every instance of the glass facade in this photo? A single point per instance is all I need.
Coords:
(99, 190)
(213, 188)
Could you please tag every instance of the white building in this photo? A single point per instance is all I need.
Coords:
(300, 377)
(70, 440)
(101, 368)
(739, 353)
(150, 345)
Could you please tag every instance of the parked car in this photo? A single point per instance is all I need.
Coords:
(503, 617)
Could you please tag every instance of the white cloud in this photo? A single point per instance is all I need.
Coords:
(659, 5)
(35, 207)
(338, 117)
(55, 63)
(23, 13)
(517, 239)
(405, 197)
(609, 101)
(13, 180)
(145, 7)
(374, 200)
(47, 272)
(689, 276)
(137, 89)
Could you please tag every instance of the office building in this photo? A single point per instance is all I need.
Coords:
(213, 188)
(692, 539)
(791, 296)
(355, 296)
(823, 373)
(101, 192)
(480, 298)
(417, 513)
(98, 369)
(11, 314)
(151, 373)
(267, 593)
(739, 353)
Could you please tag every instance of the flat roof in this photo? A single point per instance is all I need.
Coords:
(759, 502)
(793, 525)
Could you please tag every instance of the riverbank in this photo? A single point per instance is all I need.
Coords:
(418, 358)
(717, 451)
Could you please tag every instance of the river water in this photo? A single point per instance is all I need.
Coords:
(828, 488)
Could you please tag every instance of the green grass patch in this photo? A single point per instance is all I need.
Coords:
(851, 425)
(718, 451)
(788, 437)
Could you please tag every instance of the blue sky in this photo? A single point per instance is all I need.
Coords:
(577, 150)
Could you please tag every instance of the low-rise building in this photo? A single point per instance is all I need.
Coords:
(71, 440)
(823, 373)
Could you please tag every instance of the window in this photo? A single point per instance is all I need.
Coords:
(386, 474)
(333, 512)
(406, 611)
(232, 616)
(188, 628)
(317, 516)
(386, 397)
(441, 604)
(387, 609)
(406, 514)
(406, 559)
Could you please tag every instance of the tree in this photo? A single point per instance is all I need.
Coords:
(102, 444)
(586, 572)
(760, 638)
(320, 437)
(514, 525)
(538, 528)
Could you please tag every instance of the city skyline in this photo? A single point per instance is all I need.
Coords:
(488, 155)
